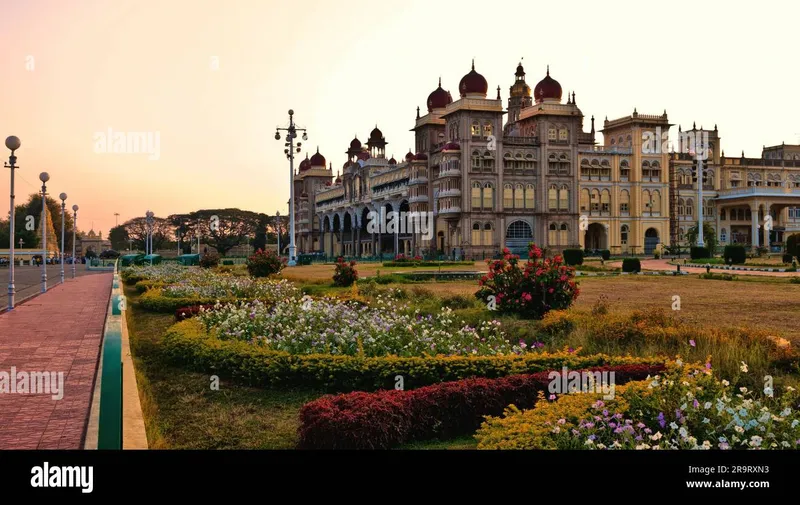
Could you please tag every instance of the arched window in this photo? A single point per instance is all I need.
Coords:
(689, 207)
(552, 235)
(488, 161)
(623, 234)
(563, 134)
(508, 162)
(655, 171)
(476, 195)
(563, 234)
(519, 196)
(595, 202)
(681, 207)
(552, 197)
(624, 202)
(585, 197)
(530, 197)
(624, 170)
(605, 202)
(488, 196)
(476, 234)
(476, 160)
(487, 129)
(656, 208)
(476, 129)
(488, 238)
(519, 229)
(508, 196)
(722, 215)
(551, 134)
(563, 198)
(647, 201)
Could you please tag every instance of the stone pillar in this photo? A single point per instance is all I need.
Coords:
(358, 241)
(717, 211)
(754, 226)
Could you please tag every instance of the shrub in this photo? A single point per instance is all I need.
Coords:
(542, 285)
(227, 262)
(385, 419)
(153, 300)
(144, 285)
(699, 252)
(761, 250)
(190, 311)
(605, 254)
(573, 257)
(720, 276)
(209, 260)
(787, 258)
(265, 263)
(657, 254)
(187, 344)
(795, 280)
(631, 265)
(345, 273)
(734, 254)
(793, 244)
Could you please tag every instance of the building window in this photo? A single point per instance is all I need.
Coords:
(488, 196)
(487, 129)
(624, 202)
(508, 196)
(585, 200)
(605, 202)
(563, 134)
(476, 160)
(624, 171)
(563, 234)
(488, 239)
(595, 204)
(722, 214)
(476, 195)
(551, 134)
(476, 234)
(563, 198)
(529, 197)
(519, 197)
(552, 236)
(552, 196)
(476, 129)
(623, 234)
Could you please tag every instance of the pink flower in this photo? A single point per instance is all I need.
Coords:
(551, 290)
(692, 343)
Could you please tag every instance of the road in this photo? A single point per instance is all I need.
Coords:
(28, 279)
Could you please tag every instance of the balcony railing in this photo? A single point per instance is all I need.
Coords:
(418, 199)
(521, 141)
(606, 149)
(451, 172)
(449, 192)
(759, 190)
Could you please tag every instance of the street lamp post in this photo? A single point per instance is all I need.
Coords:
(74, 229)
(12, 143)
(278, 230)
(290, 151)
(150, 215)
(63, 197)
(44, 177)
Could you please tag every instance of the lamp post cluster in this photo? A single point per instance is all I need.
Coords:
(149, 219)
(291, 134)
(13, 144)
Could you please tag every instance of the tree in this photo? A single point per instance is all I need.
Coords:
(222, 228)
(709, 237)
(260, 240)
(136, 229)
(119, 238)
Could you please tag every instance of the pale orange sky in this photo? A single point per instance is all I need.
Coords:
(145, 66)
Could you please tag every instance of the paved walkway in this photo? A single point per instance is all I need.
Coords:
(59, 331)
(663, 264)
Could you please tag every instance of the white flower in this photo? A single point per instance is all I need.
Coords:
(657, 436)
(725, 383)
(743, 368)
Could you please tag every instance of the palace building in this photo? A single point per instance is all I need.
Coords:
(494, 177)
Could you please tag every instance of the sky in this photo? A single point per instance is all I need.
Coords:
(209, 81)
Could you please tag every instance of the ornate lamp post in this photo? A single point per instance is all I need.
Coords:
(74, 229)
(149, 220)
(63, 197)
(44, 177)
(290, 151)
(12, 143)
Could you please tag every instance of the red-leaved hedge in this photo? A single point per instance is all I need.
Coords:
(388, 418)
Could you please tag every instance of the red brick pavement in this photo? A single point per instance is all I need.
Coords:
(59, 331)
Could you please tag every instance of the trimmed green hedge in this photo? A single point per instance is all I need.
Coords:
(573, 257)
(605, 254)
(793, 244)
(699, 252)
(735, 253)
(631, 265)
(146, 284)
(155, 302)
(188, 345)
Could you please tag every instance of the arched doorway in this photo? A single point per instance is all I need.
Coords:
(518, 236)
(650, 240)
(596, 237)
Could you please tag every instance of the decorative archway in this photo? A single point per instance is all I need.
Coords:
(596, 237)
(651, 240)
(518, 235)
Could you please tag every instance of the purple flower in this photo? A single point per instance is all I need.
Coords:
(638, 438)
(661, 419)
(552, 397)
(708, 365)
(592, 437)
(692, 343)
(695, 403)
(612, 425)
(605, 412)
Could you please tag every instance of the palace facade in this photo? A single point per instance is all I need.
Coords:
(494, 176)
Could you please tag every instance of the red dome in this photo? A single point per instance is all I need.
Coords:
(355, 143)
(473, 82)
(363, 155)
(409, 155)
(317, 160)
(376, 134)
(547, 89)
(305, 164)
(439, 98)
(451, 146)
(392, 161)
(420, 157)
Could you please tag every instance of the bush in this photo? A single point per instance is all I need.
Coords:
(265, 263)
(573, 257)
(699, 252)
(761, 250)
(787, 258)
(543, 284)
(793, 244)
(385, 419)
(734, 255)
(209, 260)
(631, 265)
(345, 273)
(227, 262)
(145, 285)
(605, 254)
(187, 344)
(154, 301)
(190, 311)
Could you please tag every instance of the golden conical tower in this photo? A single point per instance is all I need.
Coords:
(52, 241)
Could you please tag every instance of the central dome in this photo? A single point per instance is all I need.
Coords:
(548, 89)
(473, 84)
(439, 98)
(317, 160)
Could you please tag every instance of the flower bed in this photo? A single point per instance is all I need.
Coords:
(187, 344)
(166, 273)
(326, 326)
(385, 419)
(686, 408)
(226, 286)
